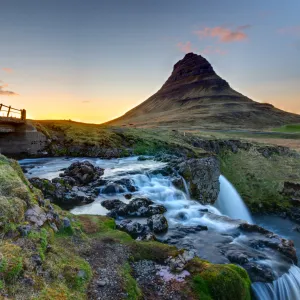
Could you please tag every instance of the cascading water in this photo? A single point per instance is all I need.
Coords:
(230, 202)
(287, 287)
(182, 211)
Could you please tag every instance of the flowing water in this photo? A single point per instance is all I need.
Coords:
(230, 202)
(182, 211)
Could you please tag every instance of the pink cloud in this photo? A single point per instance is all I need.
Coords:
(292, 30)
(6, 93)
(213, 50)
(224, 34)
(7, 70)
(185, 47)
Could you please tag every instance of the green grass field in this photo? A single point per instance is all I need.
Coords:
(290, 128)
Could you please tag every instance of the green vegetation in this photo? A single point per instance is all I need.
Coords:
(219, 281)
(75, 139)
(130, 284)
(290, 128)
(260, 180)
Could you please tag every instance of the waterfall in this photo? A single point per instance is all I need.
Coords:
(186, 188)
(287, 287)
(230, 202)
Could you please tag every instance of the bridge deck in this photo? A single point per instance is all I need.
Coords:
(11, 120)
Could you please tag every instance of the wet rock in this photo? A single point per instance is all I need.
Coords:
(237, 257)
(35, 216)
(128, 196)
(259, 272)
(112, 204)
(138, 207)
(202, 176)
(113, 188)
(270, 240)
(83, 172)
(144, 207)
(134, 229)
(127, 183)
(178, 183)
(255, 228)
(158, 223)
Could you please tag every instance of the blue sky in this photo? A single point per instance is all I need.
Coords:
(94, 60)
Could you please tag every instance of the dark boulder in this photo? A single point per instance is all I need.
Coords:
(83, 172)
(158, 223)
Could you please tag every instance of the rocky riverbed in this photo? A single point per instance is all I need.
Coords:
(150, 200)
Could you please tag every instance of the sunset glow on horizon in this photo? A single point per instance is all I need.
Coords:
(93, 61)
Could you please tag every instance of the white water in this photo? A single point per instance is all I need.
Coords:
(287, 287)
(230, 202)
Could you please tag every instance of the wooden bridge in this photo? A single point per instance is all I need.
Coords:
(10, 115)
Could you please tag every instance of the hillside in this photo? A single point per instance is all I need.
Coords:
(194, 96)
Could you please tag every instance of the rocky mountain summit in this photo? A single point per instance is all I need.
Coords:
(195, 96)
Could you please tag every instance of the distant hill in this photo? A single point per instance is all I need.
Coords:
(194, 96)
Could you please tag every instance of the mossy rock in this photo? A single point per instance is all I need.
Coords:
(222, 282)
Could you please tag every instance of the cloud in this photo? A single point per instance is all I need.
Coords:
(7, 70)
(213, 50)
(292, 30)
(224, 34)
(86, 101)
(185, 47)
(6, 93)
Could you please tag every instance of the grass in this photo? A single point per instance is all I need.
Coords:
(290, 128)
(258, 179)
(75, 139)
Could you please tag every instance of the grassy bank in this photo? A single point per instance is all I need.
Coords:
(259, 179)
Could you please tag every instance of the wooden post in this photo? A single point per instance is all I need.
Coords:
(1, 106)
(23, 114)
(8, 111)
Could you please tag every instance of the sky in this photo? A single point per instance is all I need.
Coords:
(93, 60)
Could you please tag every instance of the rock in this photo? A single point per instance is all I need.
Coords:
(255, 228)
(112, 204)
(237, 257)
(138, 207)
(101, 283)
(296, 228)
(133, 228)
(178, 183)
(259, 272)
(270, 240)
(61, 192)
(83, 172)
(178, 263)
(158, 223)
(66, 222)
(36, 216)
(128, 196)
(291, 189)
(24, 230)
(113, 188)
(128, 183)
(202, 176)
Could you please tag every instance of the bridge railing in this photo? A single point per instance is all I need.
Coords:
(10, 112)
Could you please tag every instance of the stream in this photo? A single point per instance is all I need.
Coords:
(222, 242)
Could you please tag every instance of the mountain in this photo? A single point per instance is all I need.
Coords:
(194, 96)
